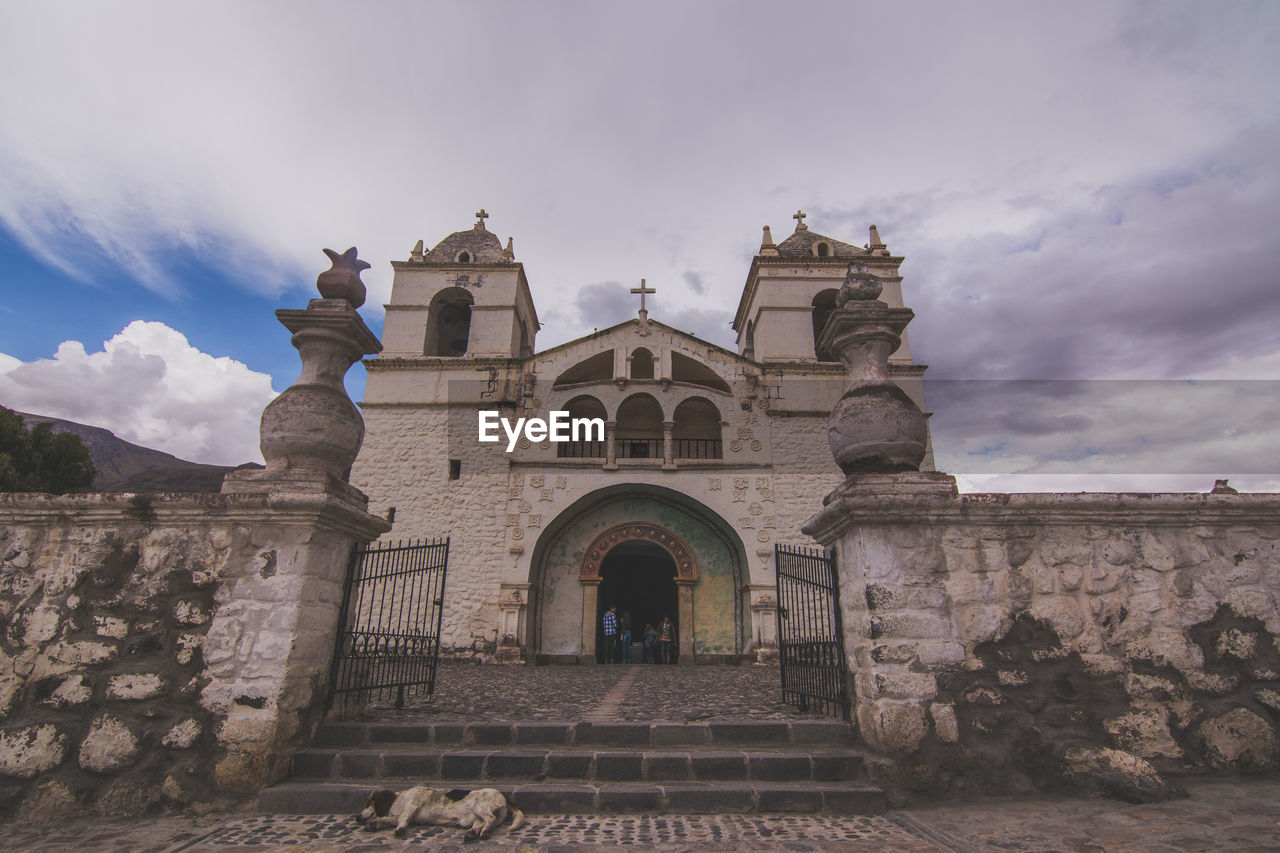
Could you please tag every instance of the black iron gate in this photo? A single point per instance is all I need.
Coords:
(810, 639)
(389, 639)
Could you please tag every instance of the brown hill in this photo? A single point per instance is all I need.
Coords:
(126, 467)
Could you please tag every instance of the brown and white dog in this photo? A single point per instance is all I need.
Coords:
(478, 812)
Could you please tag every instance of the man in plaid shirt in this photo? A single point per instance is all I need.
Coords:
(611, 635)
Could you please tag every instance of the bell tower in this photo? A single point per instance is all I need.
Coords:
(466, 298)
(791, 290)
(789, 296)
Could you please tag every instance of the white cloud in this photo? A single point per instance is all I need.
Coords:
(249, 135)
(149, 386)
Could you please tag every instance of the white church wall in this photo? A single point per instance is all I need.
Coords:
(405, 464)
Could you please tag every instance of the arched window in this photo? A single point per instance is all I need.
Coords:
(639, 428)
(822, 250)
(590, 443)
(526, 342)
(696, 434)
(464, 257)
(449, 323)
(641, 364)
(685, 369)
(598, 368)
(823, 304)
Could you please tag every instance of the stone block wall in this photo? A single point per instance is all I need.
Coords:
(106, 614)
(1009, 642)
(163, 650)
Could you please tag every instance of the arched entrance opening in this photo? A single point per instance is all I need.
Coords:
(638, 578)
(574, 569)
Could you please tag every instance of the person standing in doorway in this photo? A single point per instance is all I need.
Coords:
(650, 643)
(666, 638)
(624, 636)
(611, 635)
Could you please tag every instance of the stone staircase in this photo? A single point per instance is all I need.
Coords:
(592, 767)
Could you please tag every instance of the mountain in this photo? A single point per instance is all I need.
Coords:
(126, 467)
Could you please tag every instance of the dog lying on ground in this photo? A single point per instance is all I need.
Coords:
(478, 812)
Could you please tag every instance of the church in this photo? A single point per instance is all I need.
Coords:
(708, 458)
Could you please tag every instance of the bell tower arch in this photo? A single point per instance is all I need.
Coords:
(468, 289)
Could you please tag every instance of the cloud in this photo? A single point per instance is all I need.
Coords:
(694, 280)
(1167, 274)
(603, 166)
(1087, 433)
(1004, 483)
(1080, 191)
(709, 324)
(604, 304)
(149, 386)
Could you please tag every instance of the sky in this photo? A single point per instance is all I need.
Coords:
(1086, 195)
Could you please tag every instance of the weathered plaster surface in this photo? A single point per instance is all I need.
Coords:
(995, 630)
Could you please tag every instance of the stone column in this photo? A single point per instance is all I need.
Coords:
(684, 592)
(877, 435)
(764, 619)
(272, 636)
(668, 445)
(511, 605)
(610, 448)
(590, 593)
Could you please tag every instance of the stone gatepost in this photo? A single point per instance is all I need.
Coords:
(764, 622)
(270, 644)
(877, 436)
(512, 605)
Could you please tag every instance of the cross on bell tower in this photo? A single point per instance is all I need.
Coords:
(799, 216)
(481, 216)
(642, 290)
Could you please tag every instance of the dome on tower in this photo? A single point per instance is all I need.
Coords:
(476, 245)
(809, 244)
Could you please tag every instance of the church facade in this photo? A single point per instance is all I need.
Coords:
(707, 459)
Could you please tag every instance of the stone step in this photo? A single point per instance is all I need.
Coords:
(705, 763)
(646, 734)
(348, 797)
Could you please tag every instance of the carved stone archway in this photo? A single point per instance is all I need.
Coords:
(638, 531)
(686, 566)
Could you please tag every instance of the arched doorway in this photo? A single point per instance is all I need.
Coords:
(639, 579)
(571, 572)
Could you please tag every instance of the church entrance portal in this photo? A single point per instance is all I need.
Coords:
(645, 549)
(638, 578)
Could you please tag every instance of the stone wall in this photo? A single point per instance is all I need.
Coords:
(1011, 642)
(163, 650)
(404, 464)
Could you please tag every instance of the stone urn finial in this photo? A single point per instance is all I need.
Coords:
(875, 426)
(859, 285)
(342, 280)
(313, 430)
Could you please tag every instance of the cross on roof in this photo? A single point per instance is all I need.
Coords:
(799, 216)
(481, 216)
(642, 290)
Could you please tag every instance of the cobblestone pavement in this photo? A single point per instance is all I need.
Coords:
(470, 692)
(1220, 815)
(1237, 814)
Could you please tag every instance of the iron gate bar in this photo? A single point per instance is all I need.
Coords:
(810, 631)
(392, 610)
